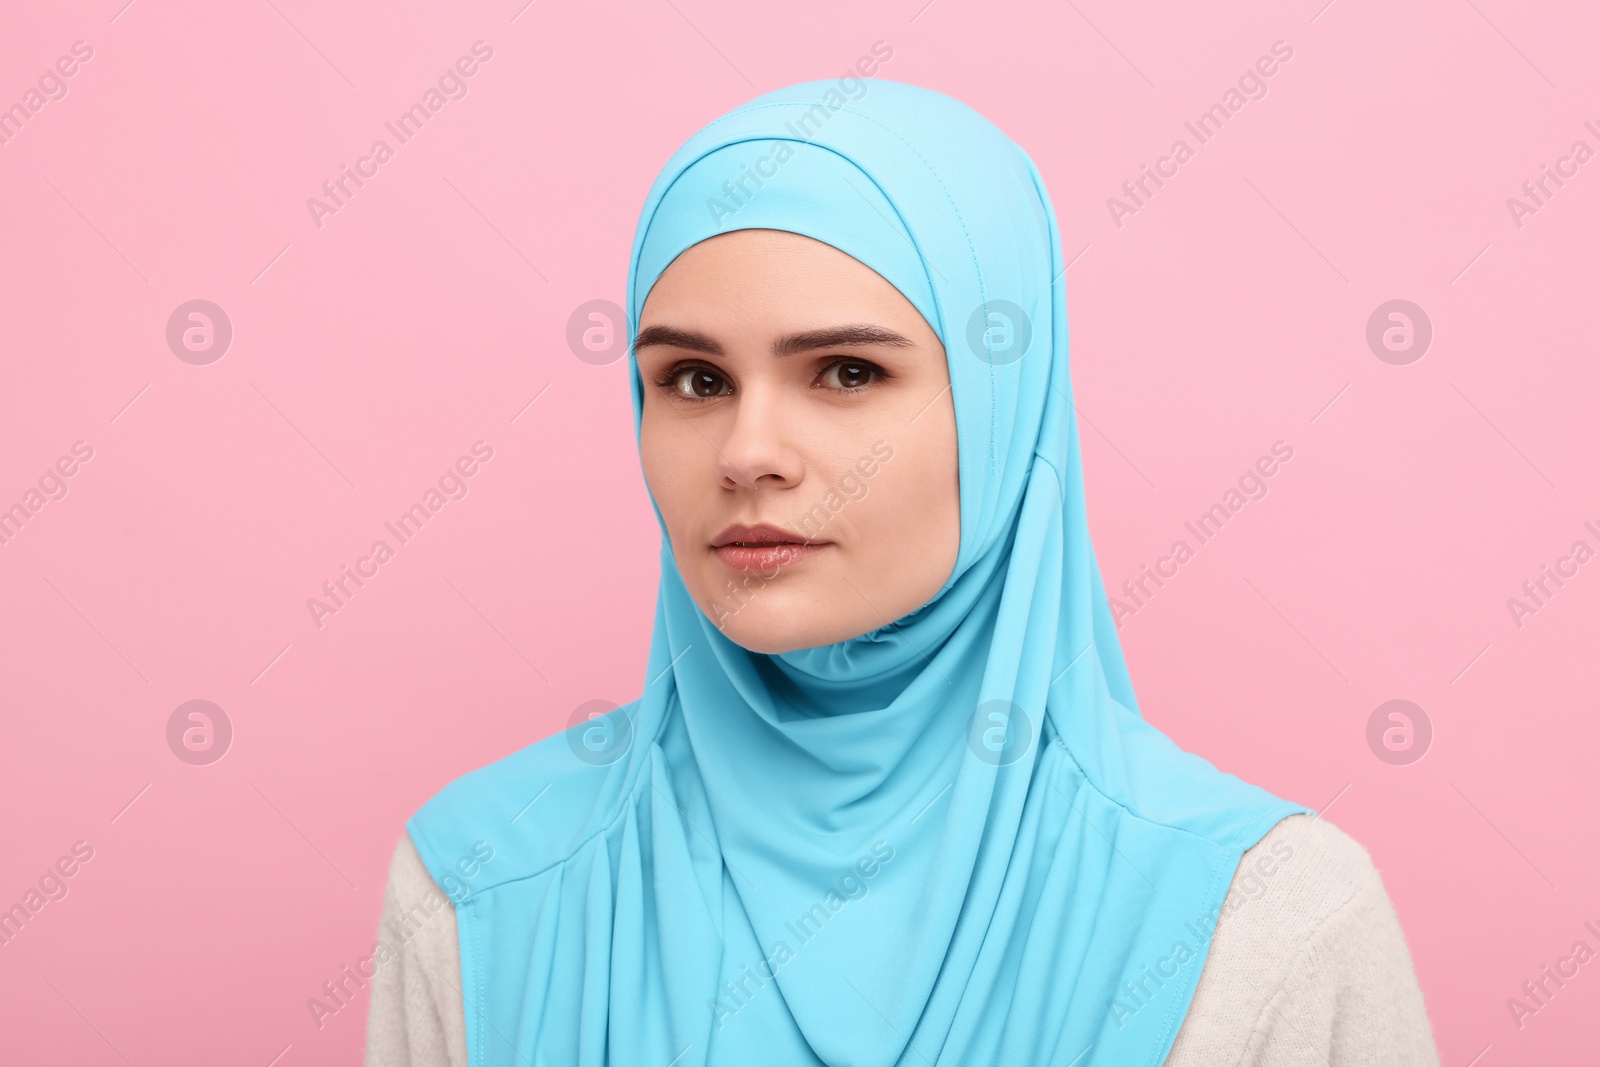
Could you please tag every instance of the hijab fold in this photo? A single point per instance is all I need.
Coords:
(952, 840)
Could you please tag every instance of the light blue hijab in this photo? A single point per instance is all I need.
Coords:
(952, 840)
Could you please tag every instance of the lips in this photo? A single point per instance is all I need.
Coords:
(762, 548)
(758, 536)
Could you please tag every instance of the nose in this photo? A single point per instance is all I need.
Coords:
(758, 448)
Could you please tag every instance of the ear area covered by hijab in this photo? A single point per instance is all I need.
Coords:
(951, 840)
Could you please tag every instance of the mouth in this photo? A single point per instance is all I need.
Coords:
(761, 535)
(763, 548)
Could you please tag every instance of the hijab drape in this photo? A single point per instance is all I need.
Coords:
(952, 840)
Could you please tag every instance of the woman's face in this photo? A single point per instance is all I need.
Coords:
(789, 385)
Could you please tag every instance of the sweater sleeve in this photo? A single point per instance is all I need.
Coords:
(415, 1017)
(1309, 965)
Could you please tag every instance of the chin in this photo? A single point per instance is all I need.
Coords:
(772, 634)
(773, 623)
(770, 644)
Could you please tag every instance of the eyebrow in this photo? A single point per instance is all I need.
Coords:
(855, 334)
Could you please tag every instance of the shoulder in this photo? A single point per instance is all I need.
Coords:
(418, 918)
(527, 811)
(410, 885)
(415, 1013)
(1303, 873)
(1307, 946)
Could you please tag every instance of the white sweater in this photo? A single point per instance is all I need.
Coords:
(1307, 966)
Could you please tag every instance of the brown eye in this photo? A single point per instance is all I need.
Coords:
(695, 383)
(850, 375)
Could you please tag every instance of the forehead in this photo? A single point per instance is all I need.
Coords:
(764, 277)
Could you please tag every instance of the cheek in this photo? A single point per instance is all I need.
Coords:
(676, 469)
(668, 470)
(933, 482)
(911, 509)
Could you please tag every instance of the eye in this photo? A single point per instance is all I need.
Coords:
(693, 382)
(696, 382)
(852, 375)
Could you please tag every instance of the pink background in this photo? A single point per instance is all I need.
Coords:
(371, 352)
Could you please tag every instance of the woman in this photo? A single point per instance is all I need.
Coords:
(886, 797)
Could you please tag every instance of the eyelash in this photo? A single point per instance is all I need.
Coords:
(669, 379)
